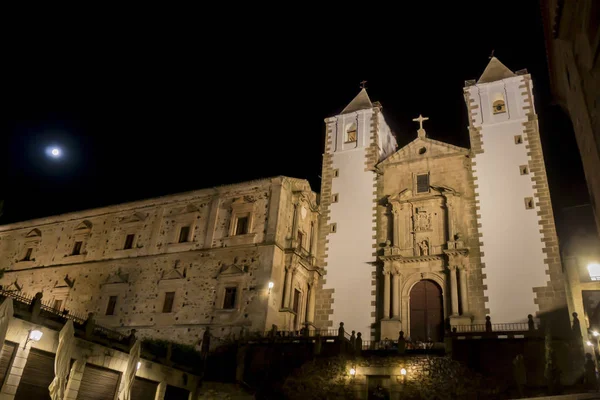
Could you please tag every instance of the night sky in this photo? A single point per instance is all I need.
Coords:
(173, 105)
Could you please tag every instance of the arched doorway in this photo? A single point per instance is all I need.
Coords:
(426, 311)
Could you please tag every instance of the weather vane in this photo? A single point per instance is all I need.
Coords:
(363, 84)
(491, 55)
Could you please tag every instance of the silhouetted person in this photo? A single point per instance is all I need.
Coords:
(401, 343)
(488, 324)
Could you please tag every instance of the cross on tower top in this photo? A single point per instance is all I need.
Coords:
(491, 55)
(363, 84)
(420, 120)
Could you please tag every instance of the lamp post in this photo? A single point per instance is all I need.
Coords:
(271, 284)
(34, 335)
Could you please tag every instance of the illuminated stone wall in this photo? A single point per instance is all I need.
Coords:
(198, 270)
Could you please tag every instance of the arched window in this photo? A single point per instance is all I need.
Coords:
(350, 133)
(498, 106)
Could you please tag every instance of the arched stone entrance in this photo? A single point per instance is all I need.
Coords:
(426, 311)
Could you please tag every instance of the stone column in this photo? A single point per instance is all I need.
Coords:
(295, 225)
(454, 290)
(287, 288)
(396, 227)
(450, 211)
(310, 313)
(314, 229)
(289, 295)
(396, 298)
(464, 300)
(386, 295)
(161, 390)
(75, 376)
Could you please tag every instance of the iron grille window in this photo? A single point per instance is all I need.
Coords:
(184, 234)
(423, 183)
(241, 227)
(77, 248)
(112, 303)
(168, 304)
(129, 241)
(230, 294)
(28, 254)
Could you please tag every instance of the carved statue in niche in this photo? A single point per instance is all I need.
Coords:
(422, 220)
(424, 248)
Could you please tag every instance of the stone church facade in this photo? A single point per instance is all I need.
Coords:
(454, 234)
(417, 239)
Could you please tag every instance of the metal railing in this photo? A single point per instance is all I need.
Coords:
(511, 327)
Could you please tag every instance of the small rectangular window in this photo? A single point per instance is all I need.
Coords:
(129, 241)
(524, 169)
(518, 139)
(335, 198)
(229, 300)
(333, 228)
(112, 303)
(529, 203)
(168, 304)
(423, 183)
(28, 254)
(77, 248)
(336, 173)
(241, 226)
(300, 240)
(57, 305)
(184, 234)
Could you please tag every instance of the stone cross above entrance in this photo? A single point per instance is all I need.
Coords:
(420, 120)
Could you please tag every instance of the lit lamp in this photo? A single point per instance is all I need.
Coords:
(34, 335)
(403, 374)
(352, 372)
(594, 271)
(271, 284)
(139, 364)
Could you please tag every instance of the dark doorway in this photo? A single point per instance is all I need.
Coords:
(378, 387)
(426, 312)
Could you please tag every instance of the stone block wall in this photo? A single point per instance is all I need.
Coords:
(197, 270)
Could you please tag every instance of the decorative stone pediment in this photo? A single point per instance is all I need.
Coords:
(116, 278)
(172, 274)
(232, 270)
(188, 209)
(34, 234)
(423, 147)
(134, 218)
(83, 228)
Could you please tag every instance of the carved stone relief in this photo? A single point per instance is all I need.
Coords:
(422, 220)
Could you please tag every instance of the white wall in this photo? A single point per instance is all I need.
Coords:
(350, 250)
(512, 247)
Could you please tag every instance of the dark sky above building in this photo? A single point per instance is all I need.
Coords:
(150, 106)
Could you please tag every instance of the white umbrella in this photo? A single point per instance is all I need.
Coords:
(132, 363)
(6, 313)
(62, 361)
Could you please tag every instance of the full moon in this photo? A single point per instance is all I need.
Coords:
(54, 152)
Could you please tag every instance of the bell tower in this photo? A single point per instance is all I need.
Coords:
(518, 242)
(356, 140)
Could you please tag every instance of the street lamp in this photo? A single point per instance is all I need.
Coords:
(271, 284)
(34, 335)
(594, 271)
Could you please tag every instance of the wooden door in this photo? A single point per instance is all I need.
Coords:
(143, 389)
(6, 358)
(98, 383)
(37, 376)
(426, 312)
(296, 308)
(176, 393)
